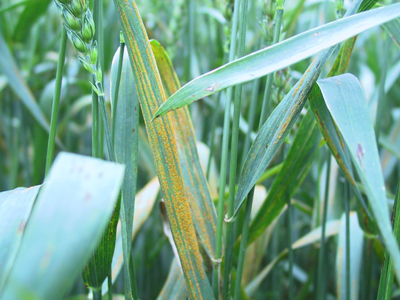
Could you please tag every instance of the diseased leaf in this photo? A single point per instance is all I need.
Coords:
(72, 210)
(278, 56)
(163, 146)
(196, 188)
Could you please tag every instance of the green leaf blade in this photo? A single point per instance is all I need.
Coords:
(346, 102)
(295, 168)
(126, 149)
(277, 57)
(71, 212)
(9, 67)
(15, 209)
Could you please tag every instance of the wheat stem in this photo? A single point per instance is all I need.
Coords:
(56, 101)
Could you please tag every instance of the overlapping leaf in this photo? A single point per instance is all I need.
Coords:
(393, 28)
(197, 191)
(70, 215)
(15, 209)
(278, 56)
(332, 228)
(126, 150)
(144, 202)
(163, 145)
(351, 118)
(174, 287)
(356, 249)
(294, 170)
(18, 84)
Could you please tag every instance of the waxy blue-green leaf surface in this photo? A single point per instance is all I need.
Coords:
(393, 28)
(346, 102)
(15, 209)
(274, 131)
(73, 209)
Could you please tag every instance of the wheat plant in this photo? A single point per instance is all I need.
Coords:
(252, 149)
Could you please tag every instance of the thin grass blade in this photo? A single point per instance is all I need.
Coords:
(31, 13)
(387, 278)
(393, 28)
(332, 228)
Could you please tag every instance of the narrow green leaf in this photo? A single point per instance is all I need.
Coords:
(367, 5)
(333, 137)
(70, 215)
(9, 67)
(278, 56)
(273, 133)
(294, 170)
(32, 11)
(196, 187)
(163, 145)
(393, 28)
(174, 287)
(144, 202)
(15, 208)
(356, 249)
(126, 151)
(98, 268)
(278, 125)
(352, 118)
(387, 278)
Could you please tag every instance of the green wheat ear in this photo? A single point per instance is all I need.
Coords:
(78, 22)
